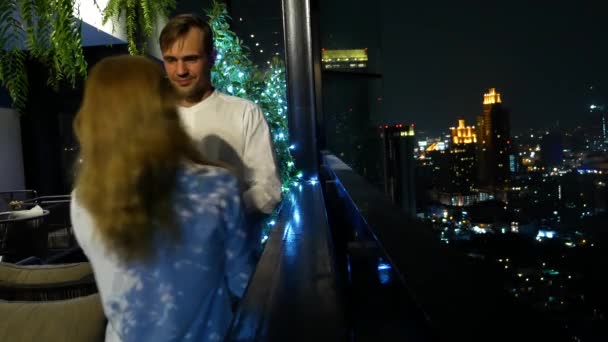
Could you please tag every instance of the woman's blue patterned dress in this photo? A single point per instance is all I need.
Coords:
(185, 292)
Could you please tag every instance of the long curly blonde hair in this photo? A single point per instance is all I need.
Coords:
(131, 146)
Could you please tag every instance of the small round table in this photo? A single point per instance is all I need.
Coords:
(22, 237)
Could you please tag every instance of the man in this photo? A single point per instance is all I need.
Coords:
(226, 128)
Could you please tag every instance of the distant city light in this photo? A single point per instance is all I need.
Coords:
(549, 234)
(478, 230)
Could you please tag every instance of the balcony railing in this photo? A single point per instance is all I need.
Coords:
(295, 294)
(346, 264)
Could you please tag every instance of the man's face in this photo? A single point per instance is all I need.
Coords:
(188, 67)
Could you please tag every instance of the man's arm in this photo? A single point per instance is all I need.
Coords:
(263, 183)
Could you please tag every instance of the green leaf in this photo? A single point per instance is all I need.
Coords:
(52, 36)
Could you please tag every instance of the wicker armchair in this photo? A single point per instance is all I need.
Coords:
(46, 282)
(75, 320)
(50, 303)
(48, 292)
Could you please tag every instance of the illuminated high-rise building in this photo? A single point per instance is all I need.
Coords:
(398, 154)
(463, 134)
(597, 127)
(493, 142)
(600, 113)
(344, 59)
(604, 127)
(462, 166)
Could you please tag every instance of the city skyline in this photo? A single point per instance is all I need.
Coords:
(436, 60)
(591, 114)
(543, 59)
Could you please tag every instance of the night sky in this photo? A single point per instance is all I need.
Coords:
(439, 57)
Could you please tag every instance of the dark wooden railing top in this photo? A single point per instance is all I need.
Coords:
(293, 294)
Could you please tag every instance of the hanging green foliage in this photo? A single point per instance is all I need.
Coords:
(140, 18)
(13, 75)
(235, 74)
(65, 41)
(44, 30)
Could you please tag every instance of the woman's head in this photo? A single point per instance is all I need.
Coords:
(131, 144)
(129, 107)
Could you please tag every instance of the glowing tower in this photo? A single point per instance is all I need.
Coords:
(493, 140)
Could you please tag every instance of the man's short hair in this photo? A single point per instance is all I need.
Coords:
(179, 25)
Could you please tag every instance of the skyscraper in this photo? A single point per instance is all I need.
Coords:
(598, 111)
(463, 134)
(462, 162)
(398, 154)
(493, 140)
(604, 124)
(344, 59)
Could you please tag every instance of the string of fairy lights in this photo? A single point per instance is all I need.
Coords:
(236, 74)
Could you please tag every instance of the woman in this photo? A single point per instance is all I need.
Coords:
(162, 228)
